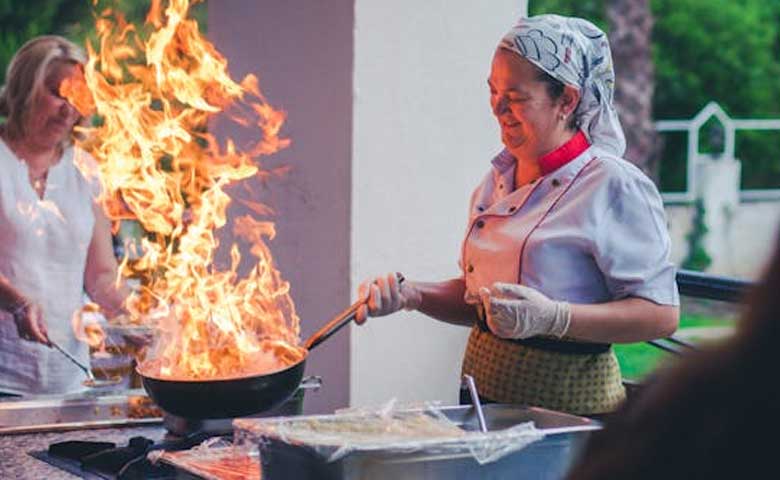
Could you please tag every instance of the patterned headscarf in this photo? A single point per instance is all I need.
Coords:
(575, 52)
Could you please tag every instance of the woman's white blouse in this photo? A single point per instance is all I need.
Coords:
(43, 252)
(592, 231)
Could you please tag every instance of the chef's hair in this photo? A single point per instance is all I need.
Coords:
(26, 75)
(555, 90)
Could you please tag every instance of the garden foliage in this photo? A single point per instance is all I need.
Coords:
(727, 51)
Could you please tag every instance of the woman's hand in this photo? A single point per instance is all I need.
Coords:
(386, 295)
(517, 311)
(30, 324)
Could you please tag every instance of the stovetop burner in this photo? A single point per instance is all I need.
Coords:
(106, 460)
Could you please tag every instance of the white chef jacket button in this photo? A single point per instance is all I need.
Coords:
(480, 223)
(555, 182)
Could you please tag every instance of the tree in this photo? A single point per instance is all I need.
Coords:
(23, 20)
(631, 24)
(726, 51)
(628, 24)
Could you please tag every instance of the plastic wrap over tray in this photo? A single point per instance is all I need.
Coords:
(214, 459)
(387, 430)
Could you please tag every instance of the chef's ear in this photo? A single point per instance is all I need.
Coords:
(569, 100)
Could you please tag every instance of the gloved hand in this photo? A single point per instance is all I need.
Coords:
(386, 295)
(30, 324)
(517, 311)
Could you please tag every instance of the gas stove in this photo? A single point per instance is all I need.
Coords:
(125, 456)
(107, 460)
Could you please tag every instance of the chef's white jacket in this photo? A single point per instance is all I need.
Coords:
(591, 231)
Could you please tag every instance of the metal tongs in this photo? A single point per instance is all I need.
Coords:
(468, 380)
(91, 381)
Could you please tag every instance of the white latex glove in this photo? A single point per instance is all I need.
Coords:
(386, 295)
(517, 311)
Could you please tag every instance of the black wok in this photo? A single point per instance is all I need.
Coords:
(200, 399)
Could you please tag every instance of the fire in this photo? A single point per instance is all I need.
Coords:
(154, 90)
(87, 328)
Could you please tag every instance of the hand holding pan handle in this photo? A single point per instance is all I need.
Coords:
(338, 322)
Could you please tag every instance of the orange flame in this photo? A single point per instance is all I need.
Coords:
(154, 95)
(87, 328)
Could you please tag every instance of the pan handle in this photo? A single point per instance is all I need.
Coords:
(338, 322)
(333, 326)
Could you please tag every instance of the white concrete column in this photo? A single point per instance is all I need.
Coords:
(423, 138)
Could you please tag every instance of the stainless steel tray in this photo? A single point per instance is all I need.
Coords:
(74, 412)
(546, 459)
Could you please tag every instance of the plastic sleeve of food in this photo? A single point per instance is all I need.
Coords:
(214, 459)
(388, 429)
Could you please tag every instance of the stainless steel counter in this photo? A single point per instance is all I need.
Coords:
(95, 409)
(33, 423)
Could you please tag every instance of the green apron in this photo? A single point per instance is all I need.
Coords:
(508, 372)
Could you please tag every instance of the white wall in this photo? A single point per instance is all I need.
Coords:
(746, 246)
(423, 137)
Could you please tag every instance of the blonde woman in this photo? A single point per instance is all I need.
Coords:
(55, 241)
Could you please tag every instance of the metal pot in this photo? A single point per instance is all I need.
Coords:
(226, 398)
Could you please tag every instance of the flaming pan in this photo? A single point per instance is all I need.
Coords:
(237, 397)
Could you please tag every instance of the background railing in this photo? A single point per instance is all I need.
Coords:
(703, 285)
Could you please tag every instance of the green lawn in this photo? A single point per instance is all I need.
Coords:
(639, 359)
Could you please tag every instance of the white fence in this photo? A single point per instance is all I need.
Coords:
(741, 225)
(730, 126)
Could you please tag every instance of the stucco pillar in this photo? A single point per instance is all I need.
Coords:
(718, 180)
(301, 52)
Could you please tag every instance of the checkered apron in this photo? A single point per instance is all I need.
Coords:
(508, 372)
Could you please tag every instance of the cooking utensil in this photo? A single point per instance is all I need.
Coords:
(91, 381)
(238, 397)
(469, 381)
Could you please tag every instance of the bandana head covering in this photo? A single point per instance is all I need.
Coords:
(575, 52)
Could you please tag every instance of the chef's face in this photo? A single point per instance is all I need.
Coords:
(52, 118)
(526, 113)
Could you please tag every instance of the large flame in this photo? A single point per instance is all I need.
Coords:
(153, 93)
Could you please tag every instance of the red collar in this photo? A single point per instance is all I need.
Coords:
(564, 154)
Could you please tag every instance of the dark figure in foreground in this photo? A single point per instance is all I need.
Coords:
(712, 415)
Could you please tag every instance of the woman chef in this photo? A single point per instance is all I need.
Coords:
(566, 249)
